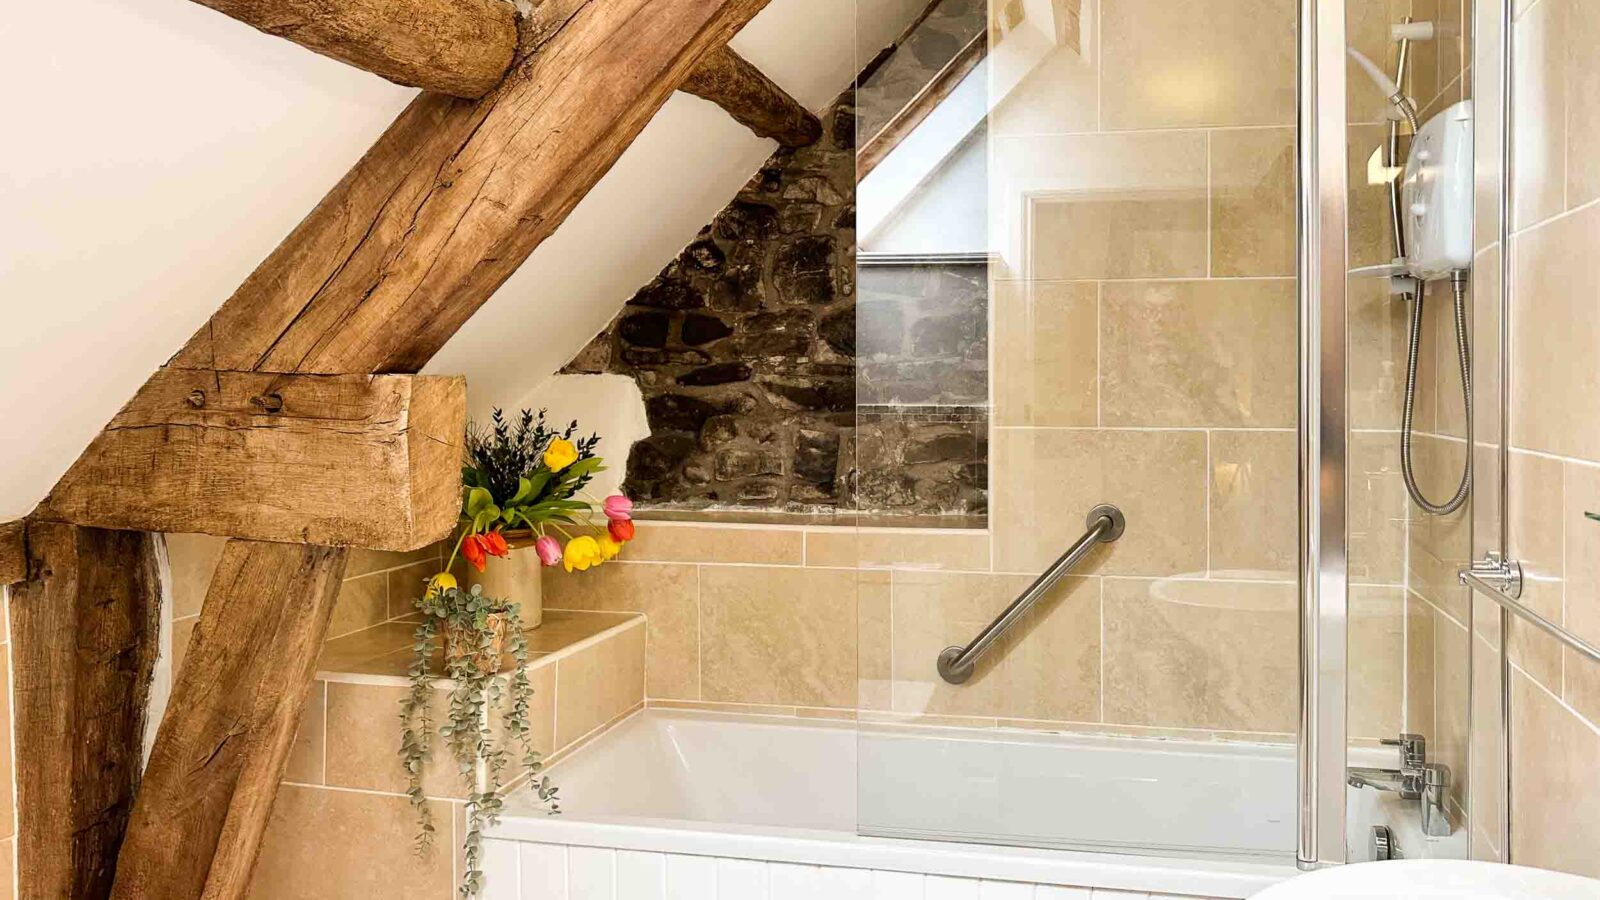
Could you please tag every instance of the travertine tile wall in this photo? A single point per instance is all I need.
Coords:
(8, 784)
(1554, 473)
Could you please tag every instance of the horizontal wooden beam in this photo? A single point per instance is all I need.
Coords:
(754, 100)
(349, 460)
(222, 748)
(456, 194)
(84, 635)
(13, 552)
(457, 47)
(875, 148)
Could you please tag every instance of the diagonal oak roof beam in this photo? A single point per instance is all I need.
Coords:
(458, 47)
(754, 100)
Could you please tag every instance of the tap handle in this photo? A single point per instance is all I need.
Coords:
(1413, 749)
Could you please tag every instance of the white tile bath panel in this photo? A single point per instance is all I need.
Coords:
(792, 882)
(544, 872)
(691, 877)
(939, 887)
(1005, 890)
(641, 876)
(897, 886)
(1056, 892)
(1106, 894)
(501, 875)
(591, 874)
(737, 878)
(844, 884)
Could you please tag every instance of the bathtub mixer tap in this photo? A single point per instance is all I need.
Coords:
(1416, 779)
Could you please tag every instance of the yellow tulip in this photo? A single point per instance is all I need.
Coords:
(560, 454)
(608, 546)
(581, 554)
(441, 582)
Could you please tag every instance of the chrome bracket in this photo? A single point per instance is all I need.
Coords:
(1504, 575)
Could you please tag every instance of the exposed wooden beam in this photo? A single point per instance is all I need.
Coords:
(350, 460)
(875, 148)
(84, 632)
(754, 100)
(457, 47)
(456, 194)
(13, 552)
(221, 750)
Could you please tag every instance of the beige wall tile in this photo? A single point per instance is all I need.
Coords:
(1451, 736)
(1419, 665)
(363, 740)
(1556, 321)
(8, 856)
(1377, 661)
(1255, 523)
(1583, 102)
(1200, 654)
(365, 562)
(935, 610)
(1253, 202)
(661, 542)
(1537, 520)
(599, 683)
(306, 753)
(344, 845)
(1377, 507)
(1046, 481)
(1370, 231)
(922, 548)
(407, 583)
(193, 558)
(1583, 584)
(362, 603)
(1103, 205)
(668, 595)
(1540, 101)
(775, 635)
(1046, 353)
(1377, 355)
(8, 807)
(1487, 782)
(1057, 96)
(182, 630)
(1438, 467)
(875, 639)
(1555, 790)
(1170, 63)
(1198, 353)
(1052, 668)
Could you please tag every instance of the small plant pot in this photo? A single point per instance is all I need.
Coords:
(462, 642)
(518, 580)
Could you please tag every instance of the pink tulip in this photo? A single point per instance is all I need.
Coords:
(549, 550)
(618, 508)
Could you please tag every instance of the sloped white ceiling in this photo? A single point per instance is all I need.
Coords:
(156, 151)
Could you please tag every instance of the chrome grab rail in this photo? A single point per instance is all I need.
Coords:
(1501, 581)
(1105, 524)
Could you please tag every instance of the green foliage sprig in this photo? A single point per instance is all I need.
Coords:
(475, 697)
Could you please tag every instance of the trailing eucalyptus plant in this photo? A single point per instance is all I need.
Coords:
(479, 692)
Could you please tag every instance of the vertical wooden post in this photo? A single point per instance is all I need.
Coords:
(214, 770)
(84, 630)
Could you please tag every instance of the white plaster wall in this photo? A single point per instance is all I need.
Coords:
(157, 151)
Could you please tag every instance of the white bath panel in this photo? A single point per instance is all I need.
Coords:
(1005, 890)
(939, 887)
(1056, 892)
(641, 876)
(502, 874)
(740, 878)
(691, 877)
(897, 886)
(544, 872)
(591, 874)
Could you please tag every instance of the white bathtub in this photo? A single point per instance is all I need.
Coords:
(706, 805)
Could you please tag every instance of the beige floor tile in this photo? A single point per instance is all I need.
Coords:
(342, 845)
(1556, 321)
(1046, 481)
(668, 595)
(1200, 654)
(1046, 353)
(1255, 522)
(1171, 63)
(1555, 788)
(1253, 202)
(772, 635)
(1198, 353)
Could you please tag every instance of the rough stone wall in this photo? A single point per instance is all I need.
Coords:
(745, 349)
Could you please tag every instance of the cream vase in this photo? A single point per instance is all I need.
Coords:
(516, 579)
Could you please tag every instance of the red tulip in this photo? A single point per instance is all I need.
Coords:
(621, 530)
(494, 543)
(473, 549)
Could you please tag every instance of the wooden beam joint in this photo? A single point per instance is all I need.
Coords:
(754, 100)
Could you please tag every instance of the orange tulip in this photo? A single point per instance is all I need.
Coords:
(473, 549)
(494, 543)
(621, 530)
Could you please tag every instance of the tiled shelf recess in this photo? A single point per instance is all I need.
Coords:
(343, 817)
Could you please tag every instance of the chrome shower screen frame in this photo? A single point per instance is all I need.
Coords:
(1324, 565)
